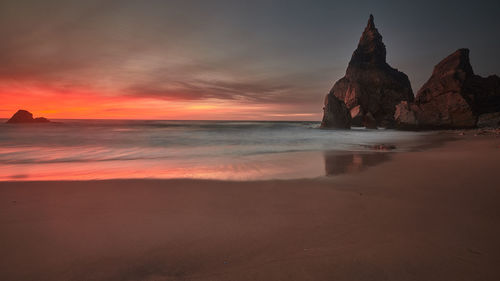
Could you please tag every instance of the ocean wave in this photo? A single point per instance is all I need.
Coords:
(99, 146)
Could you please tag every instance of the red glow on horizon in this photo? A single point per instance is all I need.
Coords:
(78, 103)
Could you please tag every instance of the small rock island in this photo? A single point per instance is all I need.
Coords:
(24, 116)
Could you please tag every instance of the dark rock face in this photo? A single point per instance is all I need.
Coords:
(369, 121)
(444, 100)
(23, 116)
(336, 115)
(453, 97)
(491, 120)
(371, 86)
(405, 115)
(41, 120)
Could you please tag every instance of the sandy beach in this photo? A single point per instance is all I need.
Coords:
(423, 215)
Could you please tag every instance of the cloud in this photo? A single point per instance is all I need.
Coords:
(256, 91)
(124, 48)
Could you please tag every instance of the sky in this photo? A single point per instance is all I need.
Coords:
(213, 60)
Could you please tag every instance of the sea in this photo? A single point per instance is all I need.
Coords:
(218, 150)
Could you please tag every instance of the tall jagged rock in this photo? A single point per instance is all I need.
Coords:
(24, 116)
(371, 88)
(453, 97)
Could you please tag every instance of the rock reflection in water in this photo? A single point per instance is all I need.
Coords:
(337, 162)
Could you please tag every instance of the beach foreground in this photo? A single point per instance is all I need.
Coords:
(427, 215)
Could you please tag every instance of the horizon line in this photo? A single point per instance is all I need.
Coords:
(228, 120)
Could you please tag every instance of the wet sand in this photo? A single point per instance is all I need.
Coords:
(424, 215)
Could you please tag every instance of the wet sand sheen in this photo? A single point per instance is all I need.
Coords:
(431, 215)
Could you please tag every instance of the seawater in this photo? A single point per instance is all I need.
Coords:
(225, 150)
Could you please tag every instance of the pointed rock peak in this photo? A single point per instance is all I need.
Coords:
(458, 61)
(371, 23)
(371, 31)
(371, 49)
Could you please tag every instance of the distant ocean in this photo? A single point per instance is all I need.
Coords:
(226, 150)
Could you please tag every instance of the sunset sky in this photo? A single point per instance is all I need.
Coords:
(257, 60)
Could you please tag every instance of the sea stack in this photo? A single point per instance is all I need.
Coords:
(371, 88)
(24, 116)
(453, 97)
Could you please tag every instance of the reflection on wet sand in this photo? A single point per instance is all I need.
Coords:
(341, 162)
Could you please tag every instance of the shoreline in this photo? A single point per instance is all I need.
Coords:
(424, 215)
(233, 151)
(279, 165)
(440, 139)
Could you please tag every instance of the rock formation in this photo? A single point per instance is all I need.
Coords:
(453, 97)
(336, 115)
(24, 116)
(489, 120)
(371, 88)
